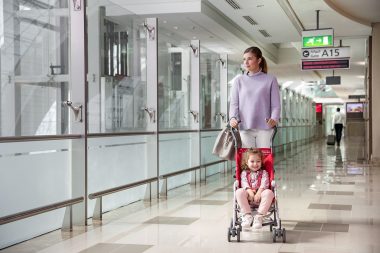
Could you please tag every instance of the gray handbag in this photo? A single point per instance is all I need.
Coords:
(227, 142)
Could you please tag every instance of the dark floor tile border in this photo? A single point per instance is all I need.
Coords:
(171, 220)
(321, 227)
(207, 202)
(116, 248)
(340, 193)
(330, 207)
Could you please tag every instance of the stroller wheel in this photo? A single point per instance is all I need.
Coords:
(274, 235)
(271, 227)
(238, 235)
(283, 235)
(229, 235)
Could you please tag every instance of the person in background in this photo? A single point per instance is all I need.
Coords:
(339, 120)
(255, 101)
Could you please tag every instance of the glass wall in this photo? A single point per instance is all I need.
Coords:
(174, 87)
(119, 143)
(210, 89)
(34, 53)
(116, 69)
(36, 156)
(210, 106)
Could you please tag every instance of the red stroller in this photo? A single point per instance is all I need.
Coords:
(272, 219)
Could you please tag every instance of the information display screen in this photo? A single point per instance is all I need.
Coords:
(326, 64)
(354, 107)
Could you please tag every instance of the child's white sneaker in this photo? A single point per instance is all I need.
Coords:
(258, 222)
(246, 220)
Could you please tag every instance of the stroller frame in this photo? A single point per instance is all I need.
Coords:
(274, 222)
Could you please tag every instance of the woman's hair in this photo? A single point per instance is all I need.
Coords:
(257, 52)
(248, 153)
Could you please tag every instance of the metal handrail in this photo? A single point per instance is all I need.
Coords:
(177, 131)
(179, 172)
(94, 135)
(39, 138)
(120, 188)
(175, 173)
(211, 130)
(39, 210)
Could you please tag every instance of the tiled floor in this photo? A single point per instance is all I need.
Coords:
(329, 201)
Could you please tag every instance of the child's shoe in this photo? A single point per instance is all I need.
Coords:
(258, 221)
(246, 220)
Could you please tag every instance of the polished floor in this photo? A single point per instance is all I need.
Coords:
(329, 201)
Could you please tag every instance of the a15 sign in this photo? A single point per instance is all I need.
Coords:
(325, 53)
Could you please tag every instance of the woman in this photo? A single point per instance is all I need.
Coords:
(255, 101)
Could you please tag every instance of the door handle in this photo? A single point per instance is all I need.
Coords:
(195, 116)
(77, 110)
(222, 115)
(151, 112)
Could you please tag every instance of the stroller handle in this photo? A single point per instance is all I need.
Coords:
(234, 132)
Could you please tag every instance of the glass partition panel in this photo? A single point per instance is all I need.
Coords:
(33, 174)
(207, 143)
(116, 69)
(34, 67)
(210, 89)
(188, 157)
(173, 82)
(116, 161)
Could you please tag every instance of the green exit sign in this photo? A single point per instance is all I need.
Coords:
(318, 41)
(318, 38)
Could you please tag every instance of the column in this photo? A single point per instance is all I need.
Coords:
(374, 102)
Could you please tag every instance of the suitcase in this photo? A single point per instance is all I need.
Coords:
(330, 139)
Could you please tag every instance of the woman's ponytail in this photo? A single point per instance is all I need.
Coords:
(264, 65)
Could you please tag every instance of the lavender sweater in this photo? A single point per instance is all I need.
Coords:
(255, 98)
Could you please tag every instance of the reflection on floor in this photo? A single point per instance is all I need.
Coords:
(329, 201)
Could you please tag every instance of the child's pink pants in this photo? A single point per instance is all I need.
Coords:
(265, 202)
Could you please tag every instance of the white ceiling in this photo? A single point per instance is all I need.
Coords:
(223, 29)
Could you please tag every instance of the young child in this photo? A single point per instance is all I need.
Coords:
(255, 189)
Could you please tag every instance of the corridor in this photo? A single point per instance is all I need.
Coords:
(328, 201)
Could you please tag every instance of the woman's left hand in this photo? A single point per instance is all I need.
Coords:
(271, 122)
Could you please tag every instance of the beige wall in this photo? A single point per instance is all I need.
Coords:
(375, 92)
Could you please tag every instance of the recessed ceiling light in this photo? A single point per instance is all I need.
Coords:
(164, 21)
(195, 37)
(175, 27)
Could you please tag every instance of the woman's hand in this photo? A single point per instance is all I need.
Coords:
(271, 122)
(234, 123)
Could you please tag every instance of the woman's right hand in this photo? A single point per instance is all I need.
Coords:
(234, 123)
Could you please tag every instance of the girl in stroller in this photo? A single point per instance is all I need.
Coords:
(255, 190)
(255, 187)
